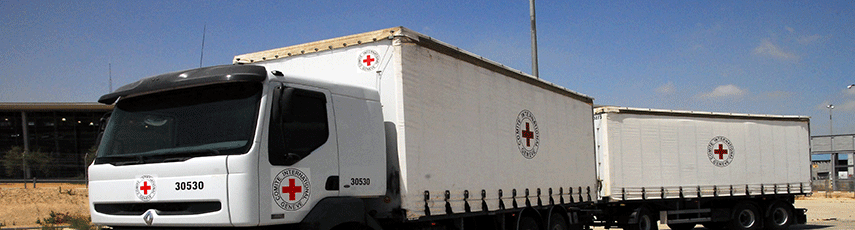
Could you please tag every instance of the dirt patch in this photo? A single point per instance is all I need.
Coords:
(823, 195)
(23, 206)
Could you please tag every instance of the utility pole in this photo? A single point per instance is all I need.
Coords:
(533, 40)
(833, 172)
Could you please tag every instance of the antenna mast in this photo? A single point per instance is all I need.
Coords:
(202, 52)
(110, 73)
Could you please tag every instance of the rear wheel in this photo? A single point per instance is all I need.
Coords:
(527, 223)
(557, 222)
(646, 221)
(744, 217)
(780, 216)
(681, 226)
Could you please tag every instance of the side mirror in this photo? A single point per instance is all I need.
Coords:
(102, 126)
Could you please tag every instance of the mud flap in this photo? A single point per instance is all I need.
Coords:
(799, 214)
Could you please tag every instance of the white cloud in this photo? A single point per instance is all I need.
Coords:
(666, 89)
(845, 106)
(789, 29)
(848, 92)
(809, 39)
(767, 48)
(724, 91)
(777, 95)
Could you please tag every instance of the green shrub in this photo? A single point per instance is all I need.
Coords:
(73, 221)
(36, 160)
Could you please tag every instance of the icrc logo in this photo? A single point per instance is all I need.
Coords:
(720, 151)
(145, 187)
(528, 136)
(291, 189)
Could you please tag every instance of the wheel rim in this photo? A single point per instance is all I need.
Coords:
(780, 216)
(746, 218)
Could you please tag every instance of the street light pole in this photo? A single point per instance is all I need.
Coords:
(833, 154)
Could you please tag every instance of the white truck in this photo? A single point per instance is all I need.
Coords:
(392, 129)
(386, 129)
(722, 170)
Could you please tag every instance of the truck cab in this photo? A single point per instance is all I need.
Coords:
(235, 145)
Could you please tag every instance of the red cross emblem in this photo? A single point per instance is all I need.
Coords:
(368, 60)
(292, 189)
(720, 151)
(527, 134)
(145, 188)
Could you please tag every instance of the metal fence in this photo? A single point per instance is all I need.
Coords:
(843, 185)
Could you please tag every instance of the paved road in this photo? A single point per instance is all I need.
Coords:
(820, 225)
(823, 214)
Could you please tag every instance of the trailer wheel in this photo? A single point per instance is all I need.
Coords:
(646, 221)
(556, 222)
(689, 226)
(527, 223)
(744, 216)
(780, 216)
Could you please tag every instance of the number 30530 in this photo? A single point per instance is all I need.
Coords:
(189, 185)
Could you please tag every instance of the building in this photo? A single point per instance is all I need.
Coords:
(63, 131)
(832, 158)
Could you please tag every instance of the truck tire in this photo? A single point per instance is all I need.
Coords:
(689, 226)
(646, 221)
(527, 223)
(744, 216)
(557, 222)
(780, 216)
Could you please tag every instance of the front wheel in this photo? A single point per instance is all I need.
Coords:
(744, 217)
(780, 216)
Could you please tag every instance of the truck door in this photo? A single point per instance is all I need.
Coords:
(302, 154)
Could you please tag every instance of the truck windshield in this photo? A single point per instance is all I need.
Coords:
(181, 124)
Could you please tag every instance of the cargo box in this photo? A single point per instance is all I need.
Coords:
(657, 154)
(461, 130)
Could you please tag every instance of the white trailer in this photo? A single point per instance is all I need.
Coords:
(694, 167)
(385, 129)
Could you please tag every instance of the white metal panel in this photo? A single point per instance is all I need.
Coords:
(843, 143)
(669, 151)
(820, 143)
(460, 136)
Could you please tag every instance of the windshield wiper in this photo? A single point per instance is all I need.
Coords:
(185, 155)
(176, 156)
(120, 160)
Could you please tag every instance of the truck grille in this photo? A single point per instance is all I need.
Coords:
(163, 208)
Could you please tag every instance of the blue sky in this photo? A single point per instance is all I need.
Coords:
(768, 57)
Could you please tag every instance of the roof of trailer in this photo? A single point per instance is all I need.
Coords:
(630, 110)
(389, 34)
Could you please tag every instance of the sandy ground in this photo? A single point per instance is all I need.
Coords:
(21, 207)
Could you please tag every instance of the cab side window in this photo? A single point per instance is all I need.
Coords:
(298, 126)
